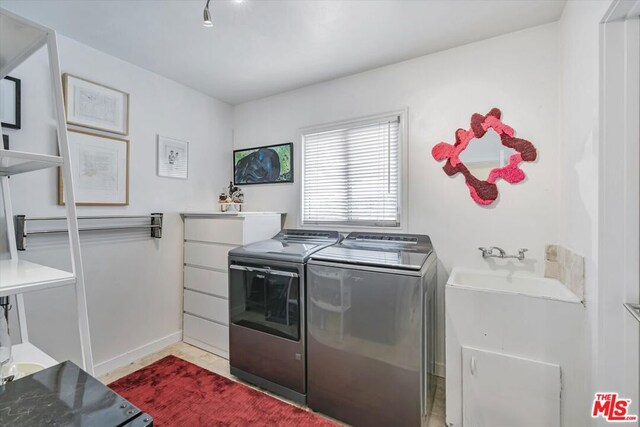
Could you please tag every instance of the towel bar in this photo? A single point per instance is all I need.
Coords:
(155, 226)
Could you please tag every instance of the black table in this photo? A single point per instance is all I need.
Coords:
(65, 395)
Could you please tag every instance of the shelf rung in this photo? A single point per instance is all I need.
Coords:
(16, 162)
(18, 276)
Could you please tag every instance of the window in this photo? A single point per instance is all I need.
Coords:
(351, 174)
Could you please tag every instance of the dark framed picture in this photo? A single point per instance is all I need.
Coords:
(268, 164)
(10, 100)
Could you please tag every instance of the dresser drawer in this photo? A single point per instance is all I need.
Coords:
(216, 230)
(207, 306)
(207, 255)
(208, 281)
(207, 332)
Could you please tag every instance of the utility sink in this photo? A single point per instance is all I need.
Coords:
(514, 283)
(515, 343)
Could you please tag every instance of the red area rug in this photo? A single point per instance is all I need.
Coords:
(178, 393)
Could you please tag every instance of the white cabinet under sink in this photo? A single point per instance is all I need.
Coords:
(516, 352)
(505, 390)
(208, 238)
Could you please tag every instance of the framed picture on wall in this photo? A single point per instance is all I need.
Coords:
(173, 158)
(10, 103)
(95, 106)
(100, 169)
(263, 165)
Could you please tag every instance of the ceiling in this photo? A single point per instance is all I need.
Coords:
(258, 48)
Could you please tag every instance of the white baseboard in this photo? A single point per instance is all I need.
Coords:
(107, 366)
(207, 347)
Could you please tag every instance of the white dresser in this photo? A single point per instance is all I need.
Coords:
(208, 237)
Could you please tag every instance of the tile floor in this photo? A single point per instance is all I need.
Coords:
(220, 366)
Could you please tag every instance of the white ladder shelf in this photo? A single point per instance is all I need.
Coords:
(19, 39)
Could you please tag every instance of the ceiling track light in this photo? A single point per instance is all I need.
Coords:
(207, 16)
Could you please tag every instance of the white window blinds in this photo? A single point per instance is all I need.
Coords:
(351, 174)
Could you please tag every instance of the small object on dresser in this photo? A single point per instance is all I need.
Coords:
(237, 196)
(231, 199)
(5, 142)
(230, 207)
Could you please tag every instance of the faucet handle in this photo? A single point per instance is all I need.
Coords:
(521, 252)
(485, 251)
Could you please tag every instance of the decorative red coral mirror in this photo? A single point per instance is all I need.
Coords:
(487, 151)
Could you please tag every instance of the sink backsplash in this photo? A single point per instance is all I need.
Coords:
(566, 266)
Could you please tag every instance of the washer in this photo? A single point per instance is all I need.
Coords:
(267, 327)
(370, 329)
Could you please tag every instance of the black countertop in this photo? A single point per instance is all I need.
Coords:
(65, 395)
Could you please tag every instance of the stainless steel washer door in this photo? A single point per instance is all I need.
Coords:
(364, 338)
(266, 299)
(266, 330)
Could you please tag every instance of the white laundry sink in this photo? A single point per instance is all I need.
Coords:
(515, 283)
(515, 343)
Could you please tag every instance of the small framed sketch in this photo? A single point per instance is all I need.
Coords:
(100, 170)
(173, 157)
(95, 106)
(10, 102)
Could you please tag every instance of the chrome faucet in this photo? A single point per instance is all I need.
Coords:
(489, 253)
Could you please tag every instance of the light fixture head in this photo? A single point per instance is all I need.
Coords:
(207, 16)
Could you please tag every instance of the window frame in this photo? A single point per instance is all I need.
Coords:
(402, 172)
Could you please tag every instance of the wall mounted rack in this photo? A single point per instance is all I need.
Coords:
(155, 225)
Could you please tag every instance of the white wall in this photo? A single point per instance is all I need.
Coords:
(579, 117)
(133, 282)
(517, 72)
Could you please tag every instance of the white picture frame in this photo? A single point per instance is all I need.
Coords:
(173, 158)
(100, 169)
(95, 106)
